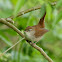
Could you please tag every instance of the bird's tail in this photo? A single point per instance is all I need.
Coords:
(41, 22)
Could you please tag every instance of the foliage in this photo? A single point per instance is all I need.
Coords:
(51, 41)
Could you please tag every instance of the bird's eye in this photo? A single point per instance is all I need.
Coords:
(29, 29)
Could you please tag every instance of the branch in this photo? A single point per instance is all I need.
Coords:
(26, 11)
(42, 52)
(33, 45)
(11, 47)
(9, 20)
(29, 10)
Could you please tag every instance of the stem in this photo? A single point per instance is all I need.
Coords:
(29, 10)
(11, 47)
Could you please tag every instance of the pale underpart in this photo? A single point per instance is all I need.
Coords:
(30, 36)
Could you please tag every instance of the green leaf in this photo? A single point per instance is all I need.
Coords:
(19, 4)
(49, 12)
(59, 4)
(55, 13)
(59, 17)
(14, 2)
(11, 32)
(5, 9)
(43, 10)
(5, 38)
(5, 13)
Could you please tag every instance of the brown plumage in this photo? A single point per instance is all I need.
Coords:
(34, 33)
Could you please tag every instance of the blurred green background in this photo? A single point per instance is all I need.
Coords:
(51, 41)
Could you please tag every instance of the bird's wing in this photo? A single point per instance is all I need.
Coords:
(40, 32)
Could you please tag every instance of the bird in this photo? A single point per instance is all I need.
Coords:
(35, 33)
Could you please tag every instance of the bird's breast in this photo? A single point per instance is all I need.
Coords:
(30, 36)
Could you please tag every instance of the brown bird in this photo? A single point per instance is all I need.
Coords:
(35, 33)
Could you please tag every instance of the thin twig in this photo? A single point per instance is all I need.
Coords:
(29, 10)
(11, 47)
(26, 11)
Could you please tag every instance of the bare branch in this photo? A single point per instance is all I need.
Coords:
(11, 47)
(9, 20)
(31, 9)
(42, 52)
